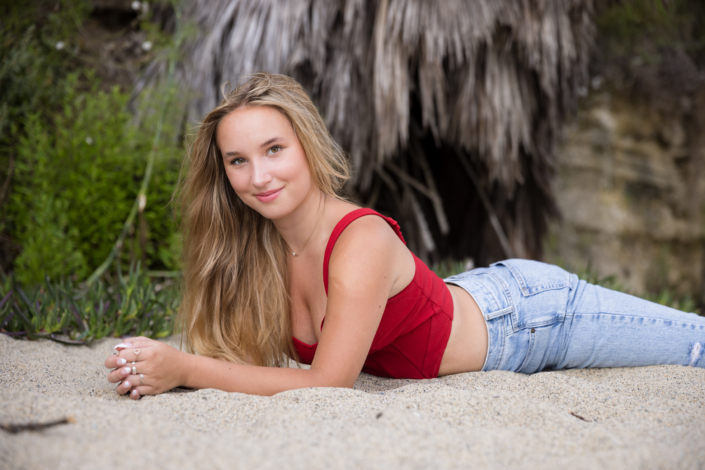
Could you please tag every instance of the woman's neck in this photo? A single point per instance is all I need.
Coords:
(298, 228)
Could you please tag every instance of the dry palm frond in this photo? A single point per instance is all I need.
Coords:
(491, 79)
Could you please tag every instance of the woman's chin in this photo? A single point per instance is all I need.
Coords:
(271, 212)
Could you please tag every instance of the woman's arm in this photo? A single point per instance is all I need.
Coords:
(367, 263)
(206, 372)
(363, 268)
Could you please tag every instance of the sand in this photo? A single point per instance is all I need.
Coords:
(646, 417)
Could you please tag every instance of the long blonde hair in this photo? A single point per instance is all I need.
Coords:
(235, 295)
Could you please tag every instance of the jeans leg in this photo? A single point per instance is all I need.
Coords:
(605, 328)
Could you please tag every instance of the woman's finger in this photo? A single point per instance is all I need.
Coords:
(125, 356)
(124, 387)
(133, 343)
(134, 354)
(134, 381)
(115, 360)
(119, 374)
(141, 390)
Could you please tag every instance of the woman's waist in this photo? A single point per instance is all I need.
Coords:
(467, 343)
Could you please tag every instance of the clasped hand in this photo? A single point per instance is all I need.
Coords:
(144, 366)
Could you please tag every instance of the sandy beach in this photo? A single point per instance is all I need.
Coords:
(648, 417)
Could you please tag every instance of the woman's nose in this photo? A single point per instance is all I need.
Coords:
(261, 175)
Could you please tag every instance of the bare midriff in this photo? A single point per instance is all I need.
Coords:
(467, 345)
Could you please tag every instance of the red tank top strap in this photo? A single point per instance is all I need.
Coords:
(342, 225)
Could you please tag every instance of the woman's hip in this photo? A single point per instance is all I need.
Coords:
(523, 303)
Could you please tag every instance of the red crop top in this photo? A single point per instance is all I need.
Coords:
(415, 326)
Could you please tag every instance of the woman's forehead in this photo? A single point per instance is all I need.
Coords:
(253, 115)
(253, 123)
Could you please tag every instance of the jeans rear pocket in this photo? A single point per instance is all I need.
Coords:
(545, 292)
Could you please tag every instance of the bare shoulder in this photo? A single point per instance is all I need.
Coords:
(367, 266)
(366, 230)
(370, 232)
(369, 250)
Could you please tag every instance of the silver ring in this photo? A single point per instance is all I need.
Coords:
(141, 377)
(115, 353)
(134, 370)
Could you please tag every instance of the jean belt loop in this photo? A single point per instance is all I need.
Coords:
(499, 313)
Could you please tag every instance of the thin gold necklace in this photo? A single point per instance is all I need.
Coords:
(320, 216)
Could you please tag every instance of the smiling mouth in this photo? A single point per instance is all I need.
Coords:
(268, 193)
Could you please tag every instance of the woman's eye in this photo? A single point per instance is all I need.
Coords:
(274, 150)
(237, 161)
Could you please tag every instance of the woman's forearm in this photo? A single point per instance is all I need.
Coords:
(206, 372)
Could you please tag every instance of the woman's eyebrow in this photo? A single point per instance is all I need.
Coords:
(270, 141)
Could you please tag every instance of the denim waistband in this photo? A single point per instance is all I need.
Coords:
(492, 294)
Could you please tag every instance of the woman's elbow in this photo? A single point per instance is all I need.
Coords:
(333, 380)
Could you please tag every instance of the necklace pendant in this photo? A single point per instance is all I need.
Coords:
(314, 228)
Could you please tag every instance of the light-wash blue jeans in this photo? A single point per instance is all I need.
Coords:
(541, 317)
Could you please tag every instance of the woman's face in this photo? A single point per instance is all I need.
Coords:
(264, 160)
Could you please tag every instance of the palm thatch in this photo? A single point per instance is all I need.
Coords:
(449, 109)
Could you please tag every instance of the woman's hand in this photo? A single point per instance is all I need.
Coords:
(159, 367)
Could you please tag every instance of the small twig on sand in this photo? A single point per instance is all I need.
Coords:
(15, 428)
(580, 417)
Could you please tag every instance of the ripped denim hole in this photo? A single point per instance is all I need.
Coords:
(696, 353)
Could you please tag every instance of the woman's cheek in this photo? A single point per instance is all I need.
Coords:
(238, 183)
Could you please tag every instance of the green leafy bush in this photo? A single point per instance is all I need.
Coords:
(36, 53)
(49, 241)
(76, 180)
(35, 56)
(647, 32)
(449, 268)
(72, 157)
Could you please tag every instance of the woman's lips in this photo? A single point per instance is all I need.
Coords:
(268, 196)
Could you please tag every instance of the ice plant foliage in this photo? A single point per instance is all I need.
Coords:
(77, 314)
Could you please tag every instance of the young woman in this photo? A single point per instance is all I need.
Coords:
(278, 266)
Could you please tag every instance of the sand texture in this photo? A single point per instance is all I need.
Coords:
(649, 417)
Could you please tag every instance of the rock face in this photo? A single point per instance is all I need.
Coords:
(630, 184)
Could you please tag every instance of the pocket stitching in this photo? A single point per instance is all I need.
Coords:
(539, 289)
(532, 340)
(507, 295)
(527, 291)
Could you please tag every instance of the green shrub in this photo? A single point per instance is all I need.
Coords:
(49, 242)
(645, 31)
(32, 67)
(77, 160)
(77, 178)
(449, 268)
